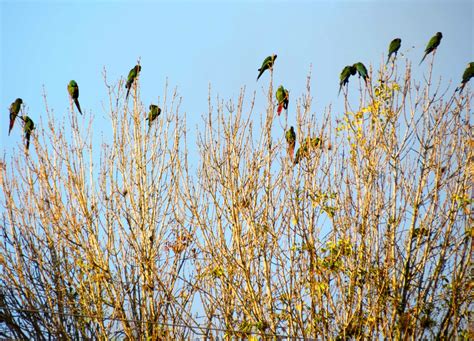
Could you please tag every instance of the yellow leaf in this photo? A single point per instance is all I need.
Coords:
(294, 221)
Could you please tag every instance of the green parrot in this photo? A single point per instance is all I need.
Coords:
(73, 90)
(282, 96)
(132, 75)
(14, 110)
(291, 140)
(362, 71)
(28, 129)
(155, 111)
(267, 64)
(466, 76)
(345, 74)
(393, 48)
(304, 150)
(432, 45)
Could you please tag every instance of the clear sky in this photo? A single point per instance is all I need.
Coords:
(195, 43)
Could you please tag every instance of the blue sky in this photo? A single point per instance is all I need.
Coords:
(195, 43)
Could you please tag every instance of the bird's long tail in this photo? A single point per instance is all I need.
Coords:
(388, 59)
(76, 101)
(297, 157)
(28, 135)
(423, 58)
(12, 122)
(128, 92)
(280, 107)
(460, 88)
(291, 151)
(261, 72)
(340, 87)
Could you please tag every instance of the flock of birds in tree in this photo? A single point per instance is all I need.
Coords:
(282, 95)
(73, 90)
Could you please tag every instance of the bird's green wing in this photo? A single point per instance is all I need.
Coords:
(131, 75)
(70, 89)
(394, 46)
(266, 62)
(346, 72)
(432, 44)
(28, 129)
(468, 73)
(290, 136)
(362, 70)
(280, 94)
(15, 107)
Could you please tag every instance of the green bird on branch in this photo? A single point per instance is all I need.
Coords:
(155, 111)
(362, 70)
(349, 70)
(14, 111)
(466, 76)
(432, 45)
(267, 64)
(393, 48)
(28, 129)
(132, 75)
(282, 96)
(304, 151)
(73, 90)
(290, 136)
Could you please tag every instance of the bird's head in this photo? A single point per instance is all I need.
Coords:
(274, 57)
(398, 40)
(439, 34)
(73, 83)
(138, 68)
(152, 106)
(19, 100)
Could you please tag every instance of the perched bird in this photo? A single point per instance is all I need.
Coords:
(305, 149)
(132, 75)
(282, 96)
(14, 110)
(466, 76)
(290, 136)
(345, 74)
(267, 64)
(28, 129)
(432, 45)
(73, 90)
(362, 71)
(155, 111)
(393, 48)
